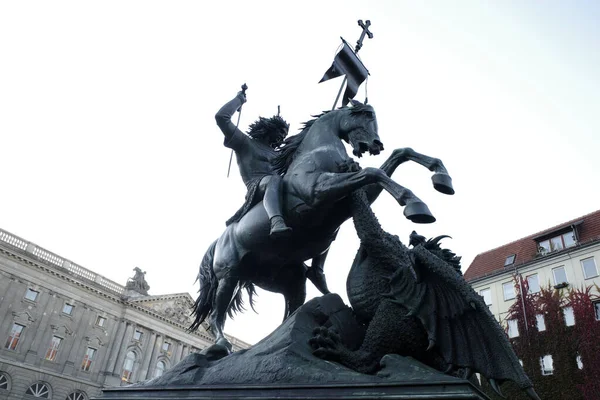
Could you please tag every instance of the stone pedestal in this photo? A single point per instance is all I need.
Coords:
(282, 366)
(449, 389)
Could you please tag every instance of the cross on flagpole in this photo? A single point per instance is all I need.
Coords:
(359, 43)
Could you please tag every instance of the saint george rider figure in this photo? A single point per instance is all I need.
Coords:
(254, 153)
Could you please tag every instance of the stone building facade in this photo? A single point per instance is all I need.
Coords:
(67, 332)
(564, 256)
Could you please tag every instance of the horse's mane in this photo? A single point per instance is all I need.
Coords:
(287, 150)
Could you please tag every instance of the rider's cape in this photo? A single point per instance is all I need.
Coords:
(251, 200)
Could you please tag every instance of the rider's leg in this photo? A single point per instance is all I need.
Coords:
(272, 187)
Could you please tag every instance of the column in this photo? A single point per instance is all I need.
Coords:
(41, 340)
(10, 298)
(125, 339)
(185, 351)
(144, 373)
(177, 353)
(75, 342)
(155, 353)
(117, 340)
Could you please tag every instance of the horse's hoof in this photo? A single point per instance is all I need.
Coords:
(217, 351)
(442, 183)
(419, 213)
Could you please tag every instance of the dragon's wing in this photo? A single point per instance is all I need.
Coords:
(457, 320)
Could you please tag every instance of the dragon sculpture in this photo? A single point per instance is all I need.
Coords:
(415, 302)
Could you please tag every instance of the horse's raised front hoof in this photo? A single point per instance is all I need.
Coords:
(419, 213)
(442, 183)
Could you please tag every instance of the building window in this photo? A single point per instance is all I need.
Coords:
(540, 322)
(513, 328)
(509, 290)
(569, 316)
(510, 260)
(160, 369)
(40, 390)
(68, 309)
(589, 268)
(4, 381)
(547, 365)
(560, 275)
(31, 294)
(53, 349)
(166, 346)
(534, 283)
(579, 362)
(77, 396)
(557, 243)
(487, 296)
(15, 335)
(137, 335)
(569, 239)
(128, 367)
(597, 310)
(100, 321)
(88, 358)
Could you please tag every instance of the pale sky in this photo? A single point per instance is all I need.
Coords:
(110, 155)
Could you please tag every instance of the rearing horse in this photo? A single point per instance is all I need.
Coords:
(319, 177)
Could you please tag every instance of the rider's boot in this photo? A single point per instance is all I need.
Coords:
(272, 203)
(279, 229)
(317, 277)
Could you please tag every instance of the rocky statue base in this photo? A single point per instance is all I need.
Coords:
(282, 366)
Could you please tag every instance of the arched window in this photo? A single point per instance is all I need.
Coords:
(4, 381)
(77, 395)
(40, 390)
(160, 369)
(128, 367)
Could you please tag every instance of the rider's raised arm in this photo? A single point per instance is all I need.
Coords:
(223, 118)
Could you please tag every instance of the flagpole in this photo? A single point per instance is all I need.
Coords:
(359, 43)
(339, 93)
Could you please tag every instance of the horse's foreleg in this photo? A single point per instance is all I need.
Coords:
(441, 179)
(332, 187)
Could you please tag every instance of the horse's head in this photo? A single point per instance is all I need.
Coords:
(358, 127)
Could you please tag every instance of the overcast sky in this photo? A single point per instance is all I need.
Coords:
(110, 155)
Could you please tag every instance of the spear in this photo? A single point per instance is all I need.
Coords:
(244, 87)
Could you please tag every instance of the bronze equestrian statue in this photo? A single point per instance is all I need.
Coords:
(318, 179)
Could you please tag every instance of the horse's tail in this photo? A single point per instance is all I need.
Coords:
(208, 288)
(237, 302)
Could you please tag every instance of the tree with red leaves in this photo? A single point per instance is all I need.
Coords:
(564, 343)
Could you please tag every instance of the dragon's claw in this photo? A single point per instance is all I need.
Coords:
(326, 344)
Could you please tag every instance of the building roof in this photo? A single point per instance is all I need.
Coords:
(526, 249)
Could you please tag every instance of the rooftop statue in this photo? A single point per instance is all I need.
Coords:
(138, 282)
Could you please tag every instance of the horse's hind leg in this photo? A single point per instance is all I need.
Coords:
(225, 290)
(294, 298)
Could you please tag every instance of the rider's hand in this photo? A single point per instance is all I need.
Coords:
(242, 96)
